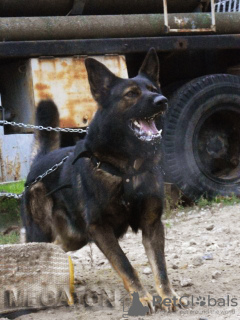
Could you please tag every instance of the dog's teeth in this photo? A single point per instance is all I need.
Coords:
(146, 136)
(136, 123)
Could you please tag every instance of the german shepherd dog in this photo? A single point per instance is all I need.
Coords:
(111, 179)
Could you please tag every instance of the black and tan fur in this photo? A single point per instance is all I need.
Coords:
(92, 203)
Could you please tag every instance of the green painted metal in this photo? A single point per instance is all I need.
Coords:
(119, 26)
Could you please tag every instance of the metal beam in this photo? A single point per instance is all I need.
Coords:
(26, 49)
(118, 26)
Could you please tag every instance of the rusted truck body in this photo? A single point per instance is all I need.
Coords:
(42, 51)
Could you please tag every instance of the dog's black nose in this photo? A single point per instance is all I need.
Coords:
(161, 102)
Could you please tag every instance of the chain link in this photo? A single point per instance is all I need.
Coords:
(49, 171)
(11, 195)
(31, 126)
(39, 178)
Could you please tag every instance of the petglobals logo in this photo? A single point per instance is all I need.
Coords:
(202, 301)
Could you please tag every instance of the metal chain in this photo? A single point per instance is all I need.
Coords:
(49, 171)
(39, 178)
(31, 126)
(11, 195)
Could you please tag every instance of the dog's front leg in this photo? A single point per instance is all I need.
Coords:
(106, 241)
(153, 241)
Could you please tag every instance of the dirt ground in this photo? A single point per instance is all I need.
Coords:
(203, 255)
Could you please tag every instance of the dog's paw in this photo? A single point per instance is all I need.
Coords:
(147, 301)
(170, 301)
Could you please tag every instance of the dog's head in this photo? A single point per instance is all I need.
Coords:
(129, 109)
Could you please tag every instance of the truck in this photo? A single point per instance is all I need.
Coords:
(43, 44)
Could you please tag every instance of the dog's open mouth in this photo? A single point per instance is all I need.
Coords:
(145, 129)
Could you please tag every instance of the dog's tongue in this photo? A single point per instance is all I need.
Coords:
(148, 126)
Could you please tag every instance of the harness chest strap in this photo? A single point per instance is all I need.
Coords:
(127, 177)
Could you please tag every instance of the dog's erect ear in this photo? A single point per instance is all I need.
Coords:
(100, 78)
(150, 66)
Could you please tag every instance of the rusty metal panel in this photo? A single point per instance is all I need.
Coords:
(65, 81)
(15, 150)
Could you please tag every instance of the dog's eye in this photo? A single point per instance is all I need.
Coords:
(131, 94)
(153, 89)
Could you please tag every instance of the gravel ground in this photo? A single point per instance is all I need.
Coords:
(203, 255)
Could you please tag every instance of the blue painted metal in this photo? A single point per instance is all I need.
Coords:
(15, 155)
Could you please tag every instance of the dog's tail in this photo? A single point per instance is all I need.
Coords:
(47, 116)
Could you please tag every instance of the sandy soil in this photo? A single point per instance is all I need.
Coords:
(203, 255)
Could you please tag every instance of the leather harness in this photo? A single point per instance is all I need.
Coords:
(127, 177)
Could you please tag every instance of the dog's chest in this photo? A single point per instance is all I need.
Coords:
(123, 194)
(129, 185)
(108, 181)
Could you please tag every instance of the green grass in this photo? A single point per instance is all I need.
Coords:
(228, 201)
(168, 224)
(15, 187)
(9, 238)
(10, 212)
(170, 212)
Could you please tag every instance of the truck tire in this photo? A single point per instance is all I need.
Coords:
(201, 139)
